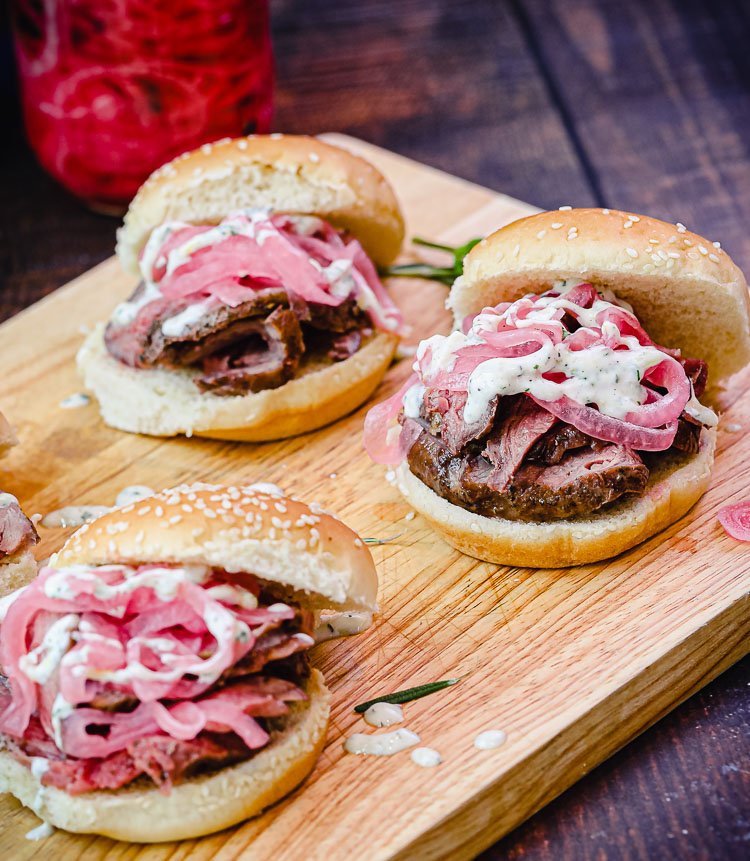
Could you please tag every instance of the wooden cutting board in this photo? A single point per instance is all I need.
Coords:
(571, 664)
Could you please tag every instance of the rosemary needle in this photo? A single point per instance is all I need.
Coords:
(444, 274)
(409, 694)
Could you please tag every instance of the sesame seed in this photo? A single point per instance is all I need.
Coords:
(674, 254)
(159, 511)
(662, 253)
(693, 255)
(716, 244)
(176, 519)
(556, 225)
(541, 234)
(358, 542)
(516, 250)
(242, 144)
(276, 136)
(656, 258)
(703, 250)
(632, 252)
(634, 218)
(680, 227)
(654, 241)
(713, 257)
(605, 212)
(627, 224)
(565, 208)
(314, 157)
(206, 149)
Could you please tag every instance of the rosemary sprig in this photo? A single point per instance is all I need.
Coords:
(444, 274)
(382, 540)
(409, 694)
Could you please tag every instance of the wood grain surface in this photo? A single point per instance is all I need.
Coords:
(644, 105)
(571, 664)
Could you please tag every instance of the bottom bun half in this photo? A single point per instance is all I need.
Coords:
(16, 571)
(201, 805)
(674, 486)
(162, 402)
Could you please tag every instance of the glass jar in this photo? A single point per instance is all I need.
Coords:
(112, 89)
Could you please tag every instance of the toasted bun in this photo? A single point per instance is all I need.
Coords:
(165, 402)
(16, 571)
(674, 486)
(199, 806)
(282, 541)
(292, 174)
(687, 293)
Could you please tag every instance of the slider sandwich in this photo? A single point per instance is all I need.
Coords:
(259, 313)
(561, 422)
(156, 679)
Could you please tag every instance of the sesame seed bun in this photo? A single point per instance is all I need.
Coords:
(164, 402)
(317, 558)
(289, 173)
(201, 805)
(687, 293)
(674, 486)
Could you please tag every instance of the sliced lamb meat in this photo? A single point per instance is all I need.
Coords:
(346, 345)
(520, 428)
(143, 344)
(697, 372)
(582, 482)
(557, 442)
(336, 318)
(265, 362)
(16, 530)
(444, 411)
(688, 435)
(163, 759)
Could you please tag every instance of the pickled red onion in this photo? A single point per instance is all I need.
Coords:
(735, 519)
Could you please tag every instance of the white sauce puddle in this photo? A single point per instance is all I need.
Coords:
(385, 744)
(133, 493)
(345, 624)
(73, 515)
(41, 832)
(265, 487)
(427, 757)
(490, 739)
(77, 515)
(384, 714)
(7, 499)
(73, 402)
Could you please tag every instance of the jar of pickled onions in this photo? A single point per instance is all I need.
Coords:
(112, 89)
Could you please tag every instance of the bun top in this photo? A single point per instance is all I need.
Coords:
(319, 560)
(685, 290)
(288, 173)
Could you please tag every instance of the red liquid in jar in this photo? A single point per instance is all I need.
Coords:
(112, 89)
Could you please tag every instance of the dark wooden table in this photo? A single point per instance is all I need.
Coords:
(639, 105)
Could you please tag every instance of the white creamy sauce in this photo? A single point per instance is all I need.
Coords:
(61, 709)
(413, 400)
(39, 664)
(7, 499)
(41, 832)
(178, 325)
(384, 714)
(344, 624)
(427, 757)
(39, 765)
(73, 402)
(384, 744)
(265, 487)
(490, 739)
(73, 515)
(599, 375)
(133, 493)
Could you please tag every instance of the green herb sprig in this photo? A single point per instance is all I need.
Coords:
(373, 541)
(444, 274)
(409, 694)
